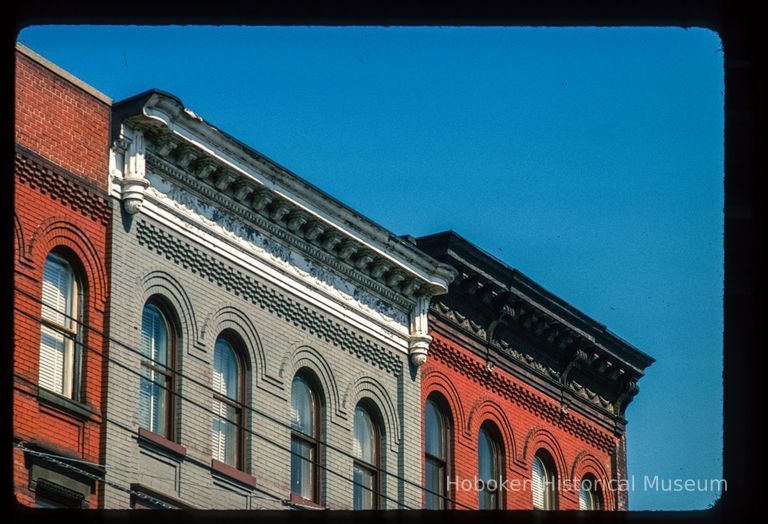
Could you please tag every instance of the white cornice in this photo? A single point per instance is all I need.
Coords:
(191, 129)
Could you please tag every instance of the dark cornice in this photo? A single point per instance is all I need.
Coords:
(530, 327)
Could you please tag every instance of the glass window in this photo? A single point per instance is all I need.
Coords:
(228, 427)
(436, 456)
(59, 330)
(366, 464)
(543, 482)
(305, 421)
(488, 459)
(156, 382)
(589, 494)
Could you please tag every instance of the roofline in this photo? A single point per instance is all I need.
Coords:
(72, 79)
(509, 277)
(404, 252)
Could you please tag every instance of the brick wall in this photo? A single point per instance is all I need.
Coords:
(527, 421)
(279, 334)
(60, 173)
(60, 121)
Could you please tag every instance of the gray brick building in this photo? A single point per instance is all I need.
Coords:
(227, 265)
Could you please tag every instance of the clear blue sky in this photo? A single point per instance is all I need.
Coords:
(591, 159)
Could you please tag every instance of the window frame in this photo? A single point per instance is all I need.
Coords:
(314, 441)
(441, 410)
(169, 370)
(494, 437)
(550, 484)
(72, 360)
(594, 493)
(240, 433)
(374, 469)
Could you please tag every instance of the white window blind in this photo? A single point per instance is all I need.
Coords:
(57, 343)
(538, 484)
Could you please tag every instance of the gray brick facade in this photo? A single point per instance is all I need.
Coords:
(296, 281)
(278, 341)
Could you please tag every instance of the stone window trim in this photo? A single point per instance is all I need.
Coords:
(147, 437)
(221, 468)
(146, 490)
(55, 483)
(60, 495)
(301, 501)
(77, 409)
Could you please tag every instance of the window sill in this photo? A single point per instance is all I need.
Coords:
(301, 501)
(233, 473)
(67, 404)
(162, 442)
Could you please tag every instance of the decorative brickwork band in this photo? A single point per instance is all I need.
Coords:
(59, 184)
(236, 282)
(477, 372)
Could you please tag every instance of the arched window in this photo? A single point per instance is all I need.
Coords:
(156, 402)
(489, 468)
(305, 434)
(60, 328)
(589, 494)
(228, 425)
(543, 482)
(367, 463)
(436, 455)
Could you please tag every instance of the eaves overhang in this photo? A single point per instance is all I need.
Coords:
(488, 294)
(182, 139)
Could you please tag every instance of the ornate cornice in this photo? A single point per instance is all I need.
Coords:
(234, 281)
(313, 248)
(58, 183)
(155, 128)
(181, 138)
(469, 367)
(529, 327)
(567, 365)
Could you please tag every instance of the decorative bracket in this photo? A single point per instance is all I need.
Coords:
(419, 341)
(134, 180)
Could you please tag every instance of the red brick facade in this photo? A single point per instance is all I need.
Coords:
(526, 420)
(539, 376)
(61, 168)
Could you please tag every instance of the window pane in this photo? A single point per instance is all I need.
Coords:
(538, 482)
(365, 435)
(52, 349)
(434, 431)
(435, 482)
(588, 497)
(363, 495)
(225, 433)
(226, 371)
(57, 344)
(302, 470)
(303, 407)
(58, 288)
(153, 401)
(488, 469)
(154, 335)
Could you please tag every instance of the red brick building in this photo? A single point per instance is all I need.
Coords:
(60, 283)
(521, 387)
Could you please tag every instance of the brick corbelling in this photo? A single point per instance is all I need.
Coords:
(474, 370)
(236, 282)
(59, 184)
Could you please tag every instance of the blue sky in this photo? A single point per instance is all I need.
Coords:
(590, 159)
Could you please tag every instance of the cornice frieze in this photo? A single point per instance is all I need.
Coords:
(284, 234)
